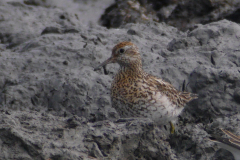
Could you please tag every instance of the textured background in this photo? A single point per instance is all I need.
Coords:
(53, 105)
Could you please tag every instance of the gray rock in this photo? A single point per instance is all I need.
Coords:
(183, 14)
(53, 105)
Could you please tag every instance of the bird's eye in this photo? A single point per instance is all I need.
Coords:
(121, 50)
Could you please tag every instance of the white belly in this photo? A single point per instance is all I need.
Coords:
(156, 107)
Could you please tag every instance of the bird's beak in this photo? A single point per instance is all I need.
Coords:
(109, 60)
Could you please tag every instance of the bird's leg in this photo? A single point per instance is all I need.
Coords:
(172, 128)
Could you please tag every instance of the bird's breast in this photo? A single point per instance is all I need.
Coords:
(133, 91)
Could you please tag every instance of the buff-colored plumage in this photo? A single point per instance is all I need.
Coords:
(231, 144)
(135, 93)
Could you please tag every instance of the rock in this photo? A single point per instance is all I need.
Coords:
(181, 14)
(54, 105)
(49, 30)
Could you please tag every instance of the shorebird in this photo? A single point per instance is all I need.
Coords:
(135, 93)
(231, 144)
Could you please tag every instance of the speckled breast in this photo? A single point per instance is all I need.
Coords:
(139, 100)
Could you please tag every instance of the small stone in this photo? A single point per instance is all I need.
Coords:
(49, 30)
(65, 63)
(236, 95)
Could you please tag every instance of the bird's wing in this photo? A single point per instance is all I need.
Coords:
(234, 138)
(177, 97)
(231, 144)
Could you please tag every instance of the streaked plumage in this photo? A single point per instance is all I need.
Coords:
(231, 144)
(135, 93)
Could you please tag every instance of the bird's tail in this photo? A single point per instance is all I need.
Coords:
(188, 96)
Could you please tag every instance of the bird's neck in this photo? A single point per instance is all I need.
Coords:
(134, 70)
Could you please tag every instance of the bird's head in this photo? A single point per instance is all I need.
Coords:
(126, 54)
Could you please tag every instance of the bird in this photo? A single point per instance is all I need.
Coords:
(231, 144)
(135, 93)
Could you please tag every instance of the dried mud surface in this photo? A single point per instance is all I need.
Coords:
(184, 14)
(54, 106)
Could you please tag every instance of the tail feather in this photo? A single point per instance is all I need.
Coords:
(185, 97)
(188, 96)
